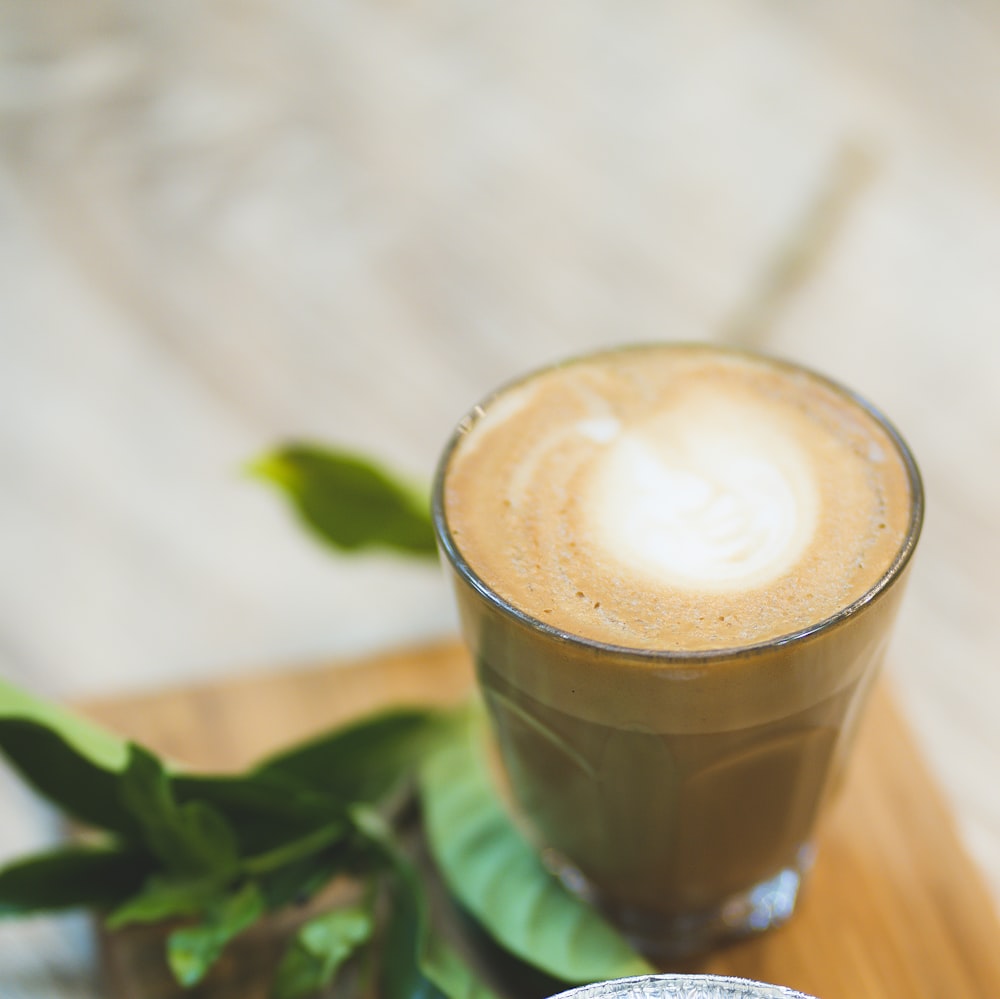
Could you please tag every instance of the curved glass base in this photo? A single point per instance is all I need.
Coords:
(658, 935)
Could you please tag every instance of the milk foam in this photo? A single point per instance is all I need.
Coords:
(677, 498)
(706, 495)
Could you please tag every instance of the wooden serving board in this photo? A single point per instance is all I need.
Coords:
(894, 908)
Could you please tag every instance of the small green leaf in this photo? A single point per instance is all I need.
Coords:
(318, 841)
(500, 879)
(363, 761)
(264, 810)
(193, 950)
(403, 975)
(320, 948)
(71, 877)
(190, 839)
(96, 744)
(416, 965)
(298, 881)
(166, 896)
(289, 872)
(68, 778)
(403, 945)
(450, 973)
(348, 501)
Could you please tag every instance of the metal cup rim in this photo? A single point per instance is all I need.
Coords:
(666, 986)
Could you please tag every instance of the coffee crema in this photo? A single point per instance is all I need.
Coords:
(677, 498)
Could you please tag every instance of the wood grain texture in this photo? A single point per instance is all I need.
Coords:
(894, 908)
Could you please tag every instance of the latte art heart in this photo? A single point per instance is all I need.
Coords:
(703, 498)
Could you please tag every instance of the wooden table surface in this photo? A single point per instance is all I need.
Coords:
(892, 909)
(226, 224)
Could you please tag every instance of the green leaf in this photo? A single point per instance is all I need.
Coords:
(416, 965)
(318, 841)
(264, 810)
(189, 839)
(365, 760)
(499, 878)
(403, 946)
(96, 744)
(403, 972)
(320, 948)
(450, 973)
(71, 877)
(69, 778)
(287, 873)
(193, 950)
(165, 896)
(348, 501)
(299, 880)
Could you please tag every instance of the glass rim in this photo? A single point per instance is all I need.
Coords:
(465, 571)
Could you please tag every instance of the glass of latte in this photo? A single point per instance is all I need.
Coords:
(676, 568)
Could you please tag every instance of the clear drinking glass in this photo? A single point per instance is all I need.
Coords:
(686, 807)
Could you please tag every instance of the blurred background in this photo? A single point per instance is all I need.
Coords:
(225, 224)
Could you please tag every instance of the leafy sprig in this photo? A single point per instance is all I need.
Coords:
(219, 852)
(348, 501)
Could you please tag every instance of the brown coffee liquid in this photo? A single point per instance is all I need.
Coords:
(668, 823)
